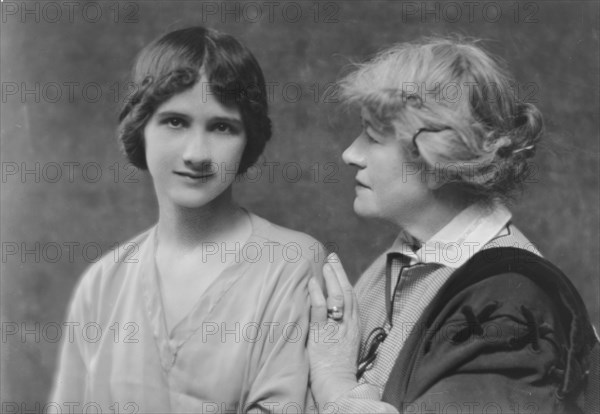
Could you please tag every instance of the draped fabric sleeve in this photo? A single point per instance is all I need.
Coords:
(364, 398)
(280, 365)
(498, 346)
(71, 374)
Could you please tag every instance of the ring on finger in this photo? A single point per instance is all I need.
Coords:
(335, 313)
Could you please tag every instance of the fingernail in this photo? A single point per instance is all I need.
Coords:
(332, 258)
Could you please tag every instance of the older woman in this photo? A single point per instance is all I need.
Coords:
(206, 312)
(461, 313)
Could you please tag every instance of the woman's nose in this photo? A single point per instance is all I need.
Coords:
(353, 156)
(197, 149)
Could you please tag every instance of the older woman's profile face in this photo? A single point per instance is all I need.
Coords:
(388, 184)
(194, 145)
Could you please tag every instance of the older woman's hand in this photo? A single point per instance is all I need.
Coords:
(334, 338)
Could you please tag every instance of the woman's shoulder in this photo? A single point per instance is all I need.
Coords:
(511, 236)
(511, 283)
(127, 252)
(517, 321)
(111, 268)
(286, 244)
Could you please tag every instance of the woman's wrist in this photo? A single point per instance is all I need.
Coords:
(329, 390)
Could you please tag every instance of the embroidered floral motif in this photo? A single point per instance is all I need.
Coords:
(473, 326)
(533, 334)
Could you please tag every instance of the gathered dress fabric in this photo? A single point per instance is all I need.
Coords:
(241, 348)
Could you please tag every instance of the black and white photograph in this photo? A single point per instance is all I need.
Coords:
(300, 206)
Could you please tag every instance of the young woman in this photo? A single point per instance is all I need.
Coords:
(461, 313)
(212, 303)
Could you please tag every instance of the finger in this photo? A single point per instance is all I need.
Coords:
(318, 307)
(346, 288)
(355, 309)
(335, 296)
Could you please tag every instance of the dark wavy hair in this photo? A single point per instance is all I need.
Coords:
(176, 62)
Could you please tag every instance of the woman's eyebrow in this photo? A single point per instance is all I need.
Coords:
(227, 119)
(369, 124)
(169, 113)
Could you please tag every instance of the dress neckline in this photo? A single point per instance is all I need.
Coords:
(169, 342)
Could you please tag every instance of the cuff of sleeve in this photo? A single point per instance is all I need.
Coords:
(364, 398)
(364, 392)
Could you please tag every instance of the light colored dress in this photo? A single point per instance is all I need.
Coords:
(241, 348)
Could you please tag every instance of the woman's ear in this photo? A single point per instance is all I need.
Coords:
(433, 177)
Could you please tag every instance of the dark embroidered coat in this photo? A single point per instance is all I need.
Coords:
(508, 333)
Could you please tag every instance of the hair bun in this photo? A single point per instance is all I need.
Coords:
(528, 128)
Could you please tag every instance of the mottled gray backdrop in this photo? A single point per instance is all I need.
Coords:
(68, 194)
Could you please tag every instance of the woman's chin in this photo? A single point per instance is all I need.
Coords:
(191, 198)
(361, 209)
(191, 202)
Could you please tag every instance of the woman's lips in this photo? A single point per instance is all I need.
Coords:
(359, 184)
(195, 176)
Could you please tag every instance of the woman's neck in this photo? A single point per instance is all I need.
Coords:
(429, 218)
(188, 228)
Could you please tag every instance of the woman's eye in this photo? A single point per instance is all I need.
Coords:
(370, 137)
(224, 127)
(175, 122)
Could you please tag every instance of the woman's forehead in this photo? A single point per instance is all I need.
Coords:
(200, 100)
